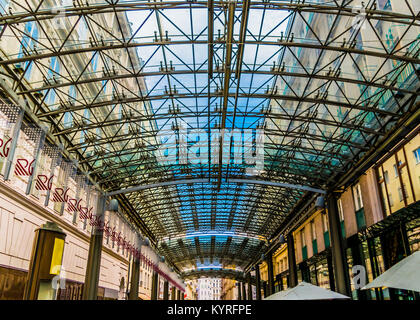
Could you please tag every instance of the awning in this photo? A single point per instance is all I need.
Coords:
(404, 275)
(306, 291)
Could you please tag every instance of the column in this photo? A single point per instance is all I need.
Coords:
(258, 284)
(135, 275)
(270, 282)
(166, 290)
(337, 248)
(90, 289)
(155, 279)
(173, 293)
(291, 261)
(249, 287)
(178, 294)
(239, 291)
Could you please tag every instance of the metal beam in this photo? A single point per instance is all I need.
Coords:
(121, 45)
(99, 8)
(246, 181)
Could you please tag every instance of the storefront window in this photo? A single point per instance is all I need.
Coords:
(370, 294)
(299, 274)
(379, 265)
(313, 274)
(414, 238)
(350, 266)
(323, 276)
(284, 280)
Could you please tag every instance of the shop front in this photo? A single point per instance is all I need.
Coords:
(381, 246)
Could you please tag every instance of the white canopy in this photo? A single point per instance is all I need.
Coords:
(403, 275)
(306, 291)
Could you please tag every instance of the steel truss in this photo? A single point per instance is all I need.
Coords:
(236, 70)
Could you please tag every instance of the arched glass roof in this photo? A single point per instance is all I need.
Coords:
(211, 119)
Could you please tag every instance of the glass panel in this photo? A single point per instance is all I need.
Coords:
(414, 238)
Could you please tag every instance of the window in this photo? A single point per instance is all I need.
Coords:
(53, 71)
(67, 120)
(386, 4)
(302, 237)
(414, 239)
(417, 155)
(94, 61)
(28, 42)
(395, 170)
(313, 231)
(72, 95)
(340, 210)
(357, 194)
(54, 68)
(386, 177)
(325, 222)
(82, 30)
(4, 5)
(391, 202)
(104, 84)
(358, 205)
(401, 194)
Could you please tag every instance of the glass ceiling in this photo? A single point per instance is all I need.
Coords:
(131, 87)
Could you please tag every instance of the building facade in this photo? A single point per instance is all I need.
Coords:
(27, 203)
(191, 290)
(209, 288)
(379, 213)
(380, 225)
